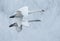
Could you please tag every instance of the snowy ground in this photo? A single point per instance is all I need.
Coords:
(46, 30)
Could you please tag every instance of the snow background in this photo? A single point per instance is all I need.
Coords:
(46, 30)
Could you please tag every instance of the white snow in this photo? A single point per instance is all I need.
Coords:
(46, 30)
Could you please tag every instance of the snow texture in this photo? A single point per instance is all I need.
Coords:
(46, 30)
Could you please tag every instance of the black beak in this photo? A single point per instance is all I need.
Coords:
(12, 25)
(43, 10)
(12, 16)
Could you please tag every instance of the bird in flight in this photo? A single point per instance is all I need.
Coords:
(19, 18)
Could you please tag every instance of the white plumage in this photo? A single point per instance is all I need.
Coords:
(19, 18)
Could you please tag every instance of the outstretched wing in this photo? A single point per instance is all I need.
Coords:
(24, 10)
(24, 13)
(25, 23)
